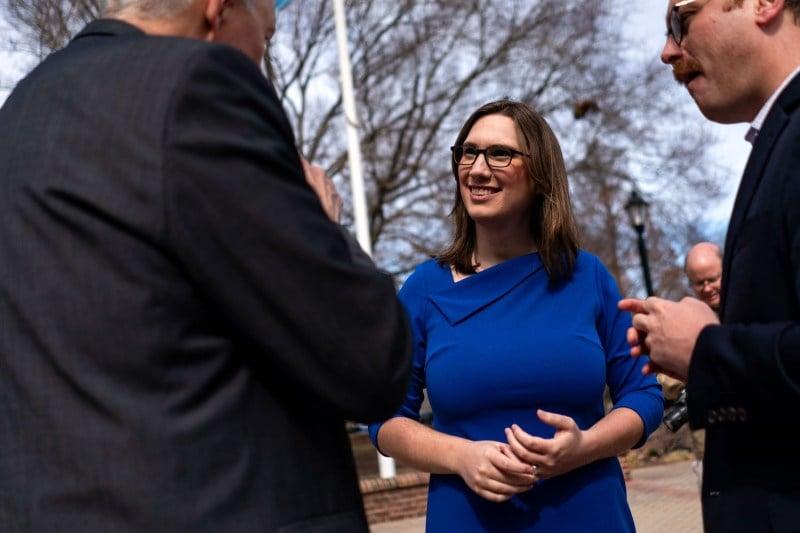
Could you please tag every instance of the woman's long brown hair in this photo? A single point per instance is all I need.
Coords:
(552, 222)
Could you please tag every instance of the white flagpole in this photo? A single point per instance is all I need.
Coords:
(386, 465)
(351, 120)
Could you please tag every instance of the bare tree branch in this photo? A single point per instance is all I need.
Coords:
(421, 66)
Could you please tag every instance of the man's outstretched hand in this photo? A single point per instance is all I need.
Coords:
(667, 331)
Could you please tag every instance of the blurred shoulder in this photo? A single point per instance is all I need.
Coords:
(590, 268)
(425, 277)
(587, 262)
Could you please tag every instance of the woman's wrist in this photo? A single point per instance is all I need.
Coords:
(589, 449)
(614, 434)
(454, 460)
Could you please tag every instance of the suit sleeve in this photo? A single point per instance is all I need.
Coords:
(628, 386)
(747, 372)
(256, 243)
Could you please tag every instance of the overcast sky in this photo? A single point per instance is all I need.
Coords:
(647, 26)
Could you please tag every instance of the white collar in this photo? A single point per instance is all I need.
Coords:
(758, 122)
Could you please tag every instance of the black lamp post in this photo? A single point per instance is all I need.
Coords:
(637, 213)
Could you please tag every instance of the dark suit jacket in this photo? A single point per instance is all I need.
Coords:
(744, 379)
(182, 330)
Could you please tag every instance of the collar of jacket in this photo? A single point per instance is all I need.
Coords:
(112, 27)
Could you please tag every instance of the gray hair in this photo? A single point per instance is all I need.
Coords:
(145, 8)
(152, 9)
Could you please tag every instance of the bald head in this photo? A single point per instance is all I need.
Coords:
(703, 268)
(244, 24)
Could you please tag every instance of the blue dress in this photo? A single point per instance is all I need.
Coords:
(496, 346)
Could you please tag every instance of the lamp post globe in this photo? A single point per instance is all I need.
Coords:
(637, 207)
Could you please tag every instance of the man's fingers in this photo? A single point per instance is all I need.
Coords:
(642, 323)
(308, 171)
(638, 351)
(633, 305)
(638, 342)
(334, 208)
(632, 336)
(324, 188)
(315, 175)
(653, 368)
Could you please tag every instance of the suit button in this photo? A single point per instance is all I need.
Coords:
(741, 414)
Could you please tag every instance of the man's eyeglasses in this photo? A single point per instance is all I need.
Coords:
(495, 156)
(678, 26)
(700, 284)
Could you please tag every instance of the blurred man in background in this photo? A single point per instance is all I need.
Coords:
(703, 267)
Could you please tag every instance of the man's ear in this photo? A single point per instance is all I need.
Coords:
(768, 10)
(214, 10)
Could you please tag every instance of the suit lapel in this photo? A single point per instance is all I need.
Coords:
(770, 131)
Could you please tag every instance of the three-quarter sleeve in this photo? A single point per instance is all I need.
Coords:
(414, 299)
(628, 386)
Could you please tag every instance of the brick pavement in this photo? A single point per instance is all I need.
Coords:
(663, 498)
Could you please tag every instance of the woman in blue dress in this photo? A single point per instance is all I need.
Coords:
(517, 334)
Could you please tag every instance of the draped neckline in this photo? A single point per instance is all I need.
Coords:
(461, 299)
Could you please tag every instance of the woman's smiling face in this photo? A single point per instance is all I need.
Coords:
(491, 194)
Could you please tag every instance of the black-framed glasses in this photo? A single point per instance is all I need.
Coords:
(678, 26)
(496, 156)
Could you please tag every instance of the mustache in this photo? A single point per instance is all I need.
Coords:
(682, 67)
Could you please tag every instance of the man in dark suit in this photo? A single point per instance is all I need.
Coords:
(182, 329)
(739, 60)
